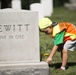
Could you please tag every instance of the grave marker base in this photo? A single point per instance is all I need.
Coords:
(25, 69)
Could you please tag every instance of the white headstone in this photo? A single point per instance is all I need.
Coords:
(19, 44)
(16, 4)
(48, 7)
(39, 8)
(19, 37)
(71, 5)
(72, 1)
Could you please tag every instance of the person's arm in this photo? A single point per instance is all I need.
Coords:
(54, 49)
(58, 39)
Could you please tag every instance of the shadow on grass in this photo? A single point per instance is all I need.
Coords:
(58, 65)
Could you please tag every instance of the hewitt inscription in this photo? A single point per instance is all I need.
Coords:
(14, 28)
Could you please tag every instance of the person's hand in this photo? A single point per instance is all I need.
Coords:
(49, 60)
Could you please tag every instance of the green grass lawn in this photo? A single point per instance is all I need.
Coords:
(60, 14)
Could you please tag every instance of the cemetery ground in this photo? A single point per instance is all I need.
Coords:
(60, 14)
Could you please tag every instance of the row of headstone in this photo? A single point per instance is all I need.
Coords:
(39, 8)
(71, 5)
(47, 7)
(16, 4)
(72, 1)
(44, 8)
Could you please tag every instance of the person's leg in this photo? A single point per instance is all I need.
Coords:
(69, 45)
(64, 59)
(60, 49)
(63, 56)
